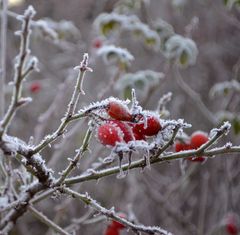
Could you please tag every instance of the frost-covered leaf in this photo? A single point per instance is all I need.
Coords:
(62, 30)
(164, 30)
(141, 81)
(224, 88)
(181, 50)
(142, 31)
(115, 55)
(108, 23)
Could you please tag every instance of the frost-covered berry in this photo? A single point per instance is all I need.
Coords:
(181, 146)
(109, 134)
(152, 127)
(198, 138)
(118, 111)
(125, 129)
(114, 131)
(35, 87)
(137, 135)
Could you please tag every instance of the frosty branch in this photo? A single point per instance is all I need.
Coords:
(111, 214)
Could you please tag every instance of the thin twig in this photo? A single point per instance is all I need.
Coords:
(73, 163)
(3, 56)
(40, 216)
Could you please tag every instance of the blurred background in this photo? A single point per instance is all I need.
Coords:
(182, 197)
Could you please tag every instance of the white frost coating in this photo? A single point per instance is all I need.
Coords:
(3, 201)
(24, 101)
(14, 144)
(225, 128)
(112, 54)
(183, 50)
(136, 145)
(30, 12)
(34, 63)
(168, 127)
(223, 88)
(228, 145)
(141, 81)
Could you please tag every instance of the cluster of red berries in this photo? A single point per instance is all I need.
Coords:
(125, 127)
(115, 227)
(196, 140)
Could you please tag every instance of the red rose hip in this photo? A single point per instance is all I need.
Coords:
(109, 134)
(118, 111)
(114, 131)
(198, 138)
(152, 128)
(125, 128)
(111, 231)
